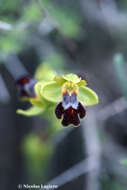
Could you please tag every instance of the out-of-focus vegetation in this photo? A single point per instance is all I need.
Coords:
(78, 36)
(33, 18)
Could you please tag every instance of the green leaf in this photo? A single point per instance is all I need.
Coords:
(52, 92)
(87, 96)
(124, 162)
(67, 19)
(8, 44)
(32, 13)
(31, 111)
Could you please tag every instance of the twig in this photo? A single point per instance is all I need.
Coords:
(68, 42)
(46, 14)
(106, 15)
(90, 165)
(4, 94)
(72, 173)
(62, 135)
(92, 147)
(112, 155)
(114, 108)
(15, 67)
(5, 26)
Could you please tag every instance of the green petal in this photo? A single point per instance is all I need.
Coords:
(38, 86)
(82, 83)
(39, 100)
(72, 77)
(31, 111)
(52, 92)
(59, 80)
(87, 96)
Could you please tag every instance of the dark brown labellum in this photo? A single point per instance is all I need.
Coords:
(70, 110)
(25, 86)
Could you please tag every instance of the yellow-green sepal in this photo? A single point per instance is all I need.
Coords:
(87, 96)
(33, 111)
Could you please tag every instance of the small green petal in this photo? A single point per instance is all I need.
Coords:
(87, 96)
(52, 92)
(82, 83)
(39, 91)
(38, 86)
(31, 111)
(59, 80)
(72, 77)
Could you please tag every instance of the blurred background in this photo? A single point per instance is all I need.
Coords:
(68, 36)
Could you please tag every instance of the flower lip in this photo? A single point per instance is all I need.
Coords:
(70, 110)
(25, 86)
(70, 116)
(23, 80)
